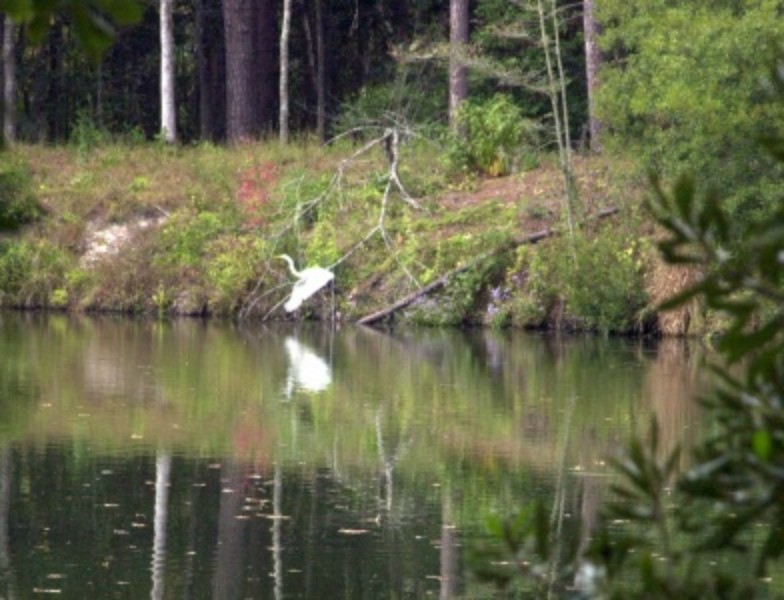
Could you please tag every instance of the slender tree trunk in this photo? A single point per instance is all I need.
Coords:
(285, 31)
(168, 113)
(57, 103)
(556, 90)
(458, 73)
(211, 58)
(321, 93)
(310, 44)
(266, 48)
(9, 82)
(593, 60)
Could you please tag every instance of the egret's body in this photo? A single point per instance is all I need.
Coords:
(309, 281)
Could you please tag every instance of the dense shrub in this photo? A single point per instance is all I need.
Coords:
(493, 137)
(18, 204)
(593, 282)
(31, 273)
(684, 88)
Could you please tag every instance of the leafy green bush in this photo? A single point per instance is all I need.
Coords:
(687, 91)
(87, 134)
(596, 279)
(18, 204)
(493, 137)
(30, 272)
(233, 265)
(415, 97)
(186, 236)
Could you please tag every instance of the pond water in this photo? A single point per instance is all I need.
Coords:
(192, 459)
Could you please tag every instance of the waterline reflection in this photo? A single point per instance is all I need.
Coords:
(127, 440)
(307, 371)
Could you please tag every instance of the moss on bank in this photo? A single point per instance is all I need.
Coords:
(145, 228)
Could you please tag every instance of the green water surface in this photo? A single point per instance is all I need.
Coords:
(193, 459)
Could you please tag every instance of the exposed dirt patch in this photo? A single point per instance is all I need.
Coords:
(539, 194)
(103, 241)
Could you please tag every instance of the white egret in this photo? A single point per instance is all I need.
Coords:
(309, 281)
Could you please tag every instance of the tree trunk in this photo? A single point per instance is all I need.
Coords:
(168, 111)
(9, 82)
(242, 72)
(593, 60)
(266, 48)
(249, 27)
(211, 58)
(57, 97)
(285, 31)
(458, 73)
(321, 108)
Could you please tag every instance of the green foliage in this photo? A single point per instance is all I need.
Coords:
(567, 273)
(685, 88)
(18, 204)
(493, 137)
(458, 304)
(30, 272)
(233, 264)
(88, 135)
(94, 21)
(414, 96)
(186, 236)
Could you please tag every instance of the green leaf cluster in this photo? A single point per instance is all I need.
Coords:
(685, 86)
(95, 21)
(492, 137)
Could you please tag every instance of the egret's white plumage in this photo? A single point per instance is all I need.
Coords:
(309, 281)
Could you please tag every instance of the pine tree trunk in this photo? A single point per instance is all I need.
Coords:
(211, 58)
(321, 94)
(168, 110)
(593, 59)
(285, 31)
(9, 81)
(266, 47)
(57, 97)
(458, 73)
(242, 72)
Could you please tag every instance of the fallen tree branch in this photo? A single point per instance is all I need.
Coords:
(444, 279)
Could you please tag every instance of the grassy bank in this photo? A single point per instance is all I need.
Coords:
(146, 228)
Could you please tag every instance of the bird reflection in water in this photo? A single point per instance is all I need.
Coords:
(308, 372)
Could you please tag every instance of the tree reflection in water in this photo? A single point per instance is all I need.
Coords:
(379, 471)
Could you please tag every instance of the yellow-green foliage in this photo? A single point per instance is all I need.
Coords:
(232, 264)
(492, 136)
(31, 271)
(592, 282)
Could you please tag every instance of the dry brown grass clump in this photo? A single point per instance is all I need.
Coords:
(665, 281)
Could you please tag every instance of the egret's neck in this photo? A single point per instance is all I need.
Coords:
(290, 261)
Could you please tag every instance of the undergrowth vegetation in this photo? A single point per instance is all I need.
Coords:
(145, 228)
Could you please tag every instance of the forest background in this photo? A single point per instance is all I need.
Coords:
(161, 155)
